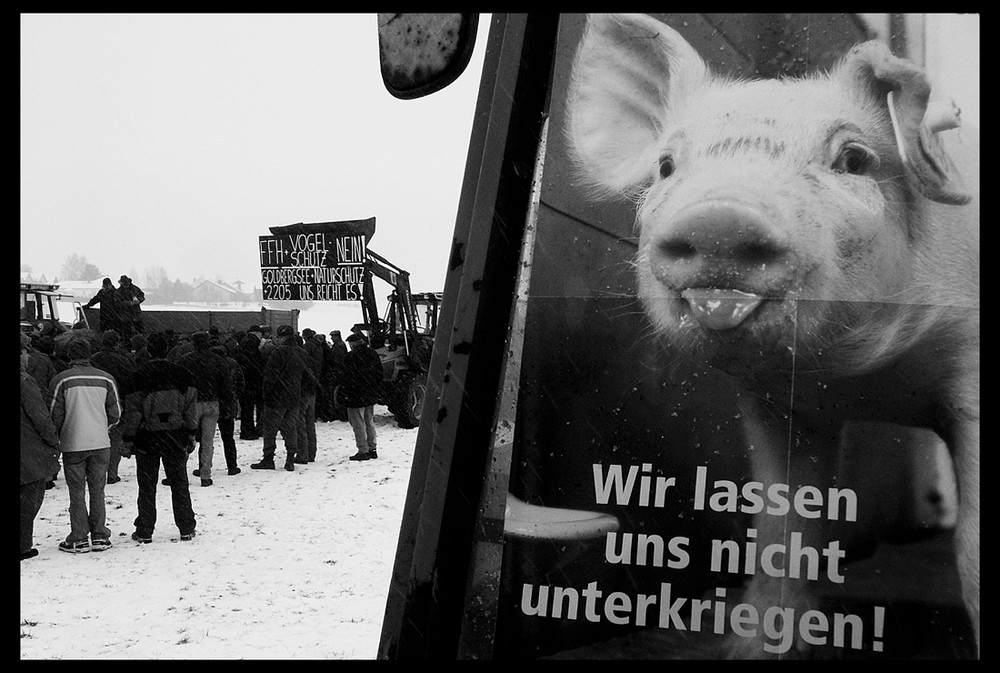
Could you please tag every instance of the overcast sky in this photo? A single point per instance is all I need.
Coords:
(174, 141)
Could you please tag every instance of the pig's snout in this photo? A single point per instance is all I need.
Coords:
(723, 258)
(721, 244)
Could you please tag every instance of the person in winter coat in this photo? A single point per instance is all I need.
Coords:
(359, 389)
(39, 452)
(252, 401)
(210, 373)
(43, 365)
(85, 404)
(112, 359)
(282, 395)
(313, 351)
(41, 368)
(323, 393)
(182, 347)
(333, 366)
(230, 411)
(160, 384)
(137, 349)
(107, 297)
(129, 296)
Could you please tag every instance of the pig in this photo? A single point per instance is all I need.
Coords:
(813, 238)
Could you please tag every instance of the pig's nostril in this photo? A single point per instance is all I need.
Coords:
(758, 253)
(674, 249)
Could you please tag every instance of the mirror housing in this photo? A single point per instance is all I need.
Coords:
(423, 53)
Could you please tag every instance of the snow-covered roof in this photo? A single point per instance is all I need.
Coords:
(221, 285)
(27, 277)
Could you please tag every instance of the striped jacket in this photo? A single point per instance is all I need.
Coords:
(85, 404)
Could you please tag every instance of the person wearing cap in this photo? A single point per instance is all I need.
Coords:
(333, 366)
(39, 452)
(85, 404)
(112, 359)
(107, 297)
(129, 296)
(210, 373)
(359, 389)
(282, 393)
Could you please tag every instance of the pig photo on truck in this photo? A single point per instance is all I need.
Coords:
(733, 407)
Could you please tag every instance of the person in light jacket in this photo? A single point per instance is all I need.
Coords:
(39, 452)
(85, 404)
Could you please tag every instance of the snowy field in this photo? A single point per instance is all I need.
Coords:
(285, 565)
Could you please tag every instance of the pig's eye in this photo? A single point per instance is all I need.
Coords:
(666, 166)
(854, 159)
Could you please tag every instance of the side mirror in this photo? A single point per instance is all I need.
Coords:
(423, 53)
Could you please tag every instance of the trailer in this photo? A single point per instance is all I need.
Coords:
(188, 318)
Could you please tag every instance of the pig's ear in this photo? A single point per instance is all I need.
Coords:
(903, 89)
(629, 70)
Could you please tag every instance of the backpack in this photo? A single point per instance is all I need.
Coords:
(163, 410)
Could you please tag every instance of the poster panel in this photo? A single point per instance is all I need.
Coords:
(323, 261)
(750, 519)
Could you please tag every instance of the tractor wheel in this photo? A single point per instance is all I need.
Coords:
(409, 401)
(338, 409)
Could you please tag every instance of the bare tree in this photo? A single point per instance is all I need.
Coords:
(77, 267)
(155, 277)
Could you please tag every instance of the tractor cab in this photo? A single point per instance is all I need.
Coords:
(48, 312)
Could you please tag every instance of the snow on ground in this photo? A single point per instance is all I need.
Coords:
(285, 565)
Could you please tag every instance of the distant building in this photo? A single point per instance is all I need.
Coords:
(82, 290)
(219, 292)
(27, 277)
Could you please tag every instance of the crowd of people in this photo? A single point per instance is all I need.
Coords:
(159, 397)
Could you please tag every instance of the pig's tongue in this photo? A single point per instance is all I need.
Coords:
(720, 309)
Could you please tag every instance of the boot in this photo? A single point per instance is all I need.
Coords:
(264, 464)
(290, 465)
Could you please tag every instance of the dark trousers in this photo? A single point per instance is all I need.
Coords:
(147, 474)
(284, 419)
(227, 426)
(307, 428)
(32, 495)
(251, 405)
(115, 458)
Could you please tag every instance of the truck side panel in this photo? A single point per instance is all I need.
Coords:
(185, 322)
